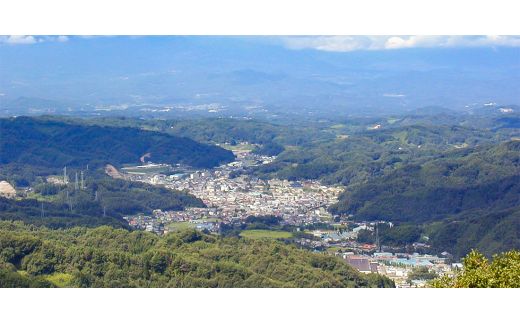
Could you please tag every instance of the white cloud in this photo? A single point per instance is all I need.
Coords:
(415, 41)
(20, 40)
(328, 43)
(351, 43)
(15, 39)
(452, 41)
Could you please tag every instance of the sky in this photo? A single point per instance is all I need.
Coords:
(340, 43)
(298, 53)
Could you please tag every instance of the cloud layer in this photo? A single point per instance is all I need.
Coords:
(335, 43)
(22, 39)
(19, 39)
(351, 43)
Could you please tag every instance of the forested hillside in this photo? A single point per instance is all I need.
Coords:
(498, 122)
(56, 142)
(101, 202)
(459, 180)
(473, 192)
(372, 154)
(221, 130)
(107, 257)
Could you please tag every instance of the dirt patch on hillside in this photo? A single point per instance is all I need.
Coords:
(145, 156)
(113, 172)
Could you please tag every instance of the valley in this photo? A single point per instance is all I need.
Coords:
(387, 194)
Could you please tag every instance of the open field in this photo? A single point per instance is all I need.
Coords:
(392, 120)
(179, 225)
(46, 198)
(238, 147)
(263, 234)
(185, 225)
(210, 219)
(146, 170)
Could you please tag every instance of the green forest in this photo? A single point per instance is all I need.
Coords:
(101, 202)
(463, 199)
(502, 272)
(115, 258)
(450, 181)
(58, 142)
(367, 155)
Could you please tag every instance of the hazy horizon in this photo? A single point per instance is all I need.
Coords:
(314, 73)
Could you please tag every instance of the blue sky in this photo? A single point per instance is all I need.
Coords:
(443, 52)
(338, 43)
(451, 71)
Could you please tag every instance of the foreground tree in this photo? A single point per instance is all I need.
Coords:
(502, 272)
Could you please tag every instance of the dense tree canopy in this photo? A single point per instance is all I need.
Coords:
(54, 142)
(502, 272)
(108, 257)
(63, 206)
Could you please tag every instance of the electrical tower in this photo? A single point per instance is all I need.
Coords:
(65, 180)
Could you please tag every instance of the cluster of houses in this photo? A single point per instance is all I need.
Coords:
(147, 223)
(231, 198)
(237, 198)
(397, 266)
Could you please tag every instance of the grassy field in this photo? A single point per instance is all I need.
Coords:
(265, 234)
(238, 147)
(179, 225)
(401, 136)
(336, 249)
(392, 120)
(60, 279)
(147, 170)
(46, 198)
(184, 225)
(210, 219)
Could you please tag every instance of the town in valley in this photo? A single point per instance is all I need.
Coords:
(232, 197)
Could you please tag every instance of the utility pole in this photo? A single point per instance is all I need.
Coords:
(377, 236)
(82, 181)
(69, 201)
(76, 185)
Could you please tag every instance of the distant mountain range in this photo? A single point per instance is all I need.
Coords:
(238, 107)
(236, 74)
